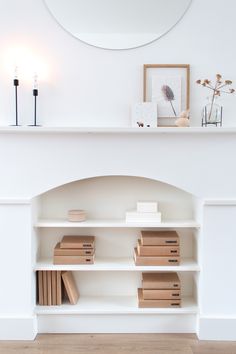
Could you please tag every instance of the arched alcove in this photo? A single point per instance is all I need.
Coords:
(108, 197)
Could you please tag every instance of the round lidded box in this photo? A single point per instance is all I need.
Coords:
(76, 215)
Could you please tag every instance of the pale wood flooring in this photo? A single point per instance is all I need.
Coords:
(117, 344)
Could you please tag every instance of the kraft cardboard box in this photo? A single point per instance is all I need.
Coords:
(168, 280)
(58, 251)
(154, 260)
(77, 242)
(156, 294)
(159, 238)
(157, 250)
(142, 303)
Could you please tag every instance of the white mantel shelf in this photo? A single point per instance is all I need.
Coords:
(116, 130)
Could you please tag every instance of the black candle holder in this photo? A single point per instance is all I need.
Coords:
(16, 84)
(35, 95)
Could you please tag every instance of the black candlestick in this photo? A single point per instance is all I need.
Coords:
(16, 84)
(35, 95)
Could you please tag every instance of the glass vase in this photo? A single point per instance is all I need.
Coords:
(212, 112)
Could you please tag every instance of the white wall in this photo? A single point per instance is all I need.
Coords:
(95, 87)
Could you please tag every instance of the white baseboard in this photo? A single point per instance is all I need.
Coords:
(26, 328)
(216, 328)
(116, 324)
(18, 328)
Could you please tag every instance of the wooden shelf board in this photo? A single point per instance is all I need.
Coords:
(114, 305)
(43, 223)
(118, 264)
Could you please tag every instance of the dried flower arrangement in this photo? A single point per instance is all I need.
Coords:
(169, 96)
(220, 86)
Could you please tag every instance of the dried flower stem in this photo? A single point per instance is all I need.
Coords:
(212, 100)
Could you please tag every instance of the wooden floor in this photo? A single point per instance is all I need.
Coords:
(117, 344)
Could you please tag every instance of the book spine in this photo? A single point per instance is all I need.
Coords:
(59, 290)
(54, 288)
(49, 288)
(40, 287)
(45, 298)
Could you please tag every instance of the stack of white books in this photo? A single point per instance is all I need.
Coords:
(147, 211)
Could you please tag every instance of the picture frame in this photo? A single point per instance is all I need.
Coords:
(168, 85)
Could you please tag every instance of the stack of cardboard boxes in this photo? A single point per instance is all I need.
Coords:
(75, 250)
(160, 290)
(157, 248)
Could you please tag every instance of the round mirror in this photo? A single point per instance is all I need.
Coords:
(117, 24)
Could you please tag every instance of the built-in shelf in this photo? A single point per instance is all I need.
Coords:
(114, 305)
(109, 286)
(117, 130)
(117, 223)
(118, 264)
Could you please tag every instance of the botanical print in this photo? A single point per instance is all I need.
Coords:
(166, 92)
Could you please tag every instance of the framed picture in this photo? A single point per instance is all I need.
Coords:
(167, 85)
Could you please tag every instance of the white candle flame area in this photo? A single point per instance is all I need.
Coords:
(35, 86)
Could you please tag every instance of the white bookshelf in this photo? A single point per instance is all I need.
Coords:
(114, 305)
(109, 286)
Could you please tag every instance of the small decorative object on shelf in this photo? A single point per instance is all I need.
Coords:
(35, 95)
(183, 120)
(145, 212)
(147, 207)
(144, 115)
(212, 112)
(16, 84)
(75, 215)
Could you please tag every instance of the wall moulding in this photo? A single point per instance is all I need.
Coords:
(34, 163)
(15, 201)
(220, 202)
